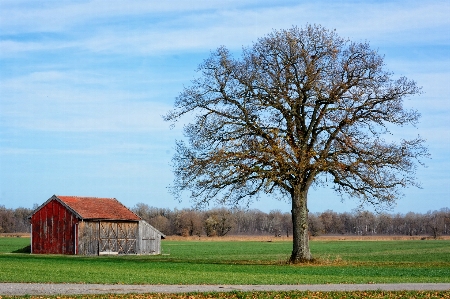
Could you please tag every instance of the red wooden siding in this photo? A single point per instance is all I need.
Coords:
(53, 229)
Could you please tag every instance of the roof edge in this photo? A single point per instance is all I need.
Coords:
(55, 197)
(73, 211)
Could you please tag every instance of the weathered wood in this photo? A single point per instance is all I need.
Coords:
(149, 239)
(57, 228)
(53, 229)
(88, 232)
(97, 237)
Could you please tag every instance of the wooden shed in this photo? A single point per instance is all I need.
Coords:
(91, 226)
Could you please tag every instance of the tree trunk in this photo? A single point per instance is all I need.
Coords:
(300, 251)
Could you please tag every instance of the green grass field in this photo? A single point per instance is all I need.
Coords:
(13, 244)
(237, 262)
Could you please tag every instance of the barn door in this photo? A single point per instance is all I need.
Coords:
(127, 233)
(88, 238)
(117, 238)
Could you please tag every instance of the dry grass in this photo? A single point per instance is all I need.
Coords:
(18, 235)
(229, 238)
(318, 238)
(375, 238)
(265, 238)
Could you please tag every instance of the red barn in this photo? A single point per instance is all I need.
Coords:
(91, 226)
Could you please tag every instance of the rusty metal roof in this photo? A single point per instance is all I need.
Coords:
(97, 208)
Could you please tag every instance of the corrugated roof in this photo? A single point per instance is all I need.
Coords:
(98, 208)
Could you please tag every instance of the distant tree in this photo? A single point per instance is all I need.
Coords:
(274, 222)
(161, 223)
(446, 215)
(189, 222)
(161, 219)
(218, 222)
(302, 107)
(365, 223)
(348, 222)
(287, 224)
(243, 224)
(413, 223)
(21, 222)
(315, 225)
(435, 223)
(384, 224)
(327, 221)
(145, 211)
(6, 220)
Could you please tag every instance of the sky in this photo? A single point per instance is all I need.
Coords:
(84, 85)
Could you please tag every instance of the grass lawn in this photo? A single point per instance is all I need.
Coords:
(13, 244)
(238, 262)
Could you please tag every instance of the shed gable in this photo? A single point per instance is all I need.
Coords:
(52, 229)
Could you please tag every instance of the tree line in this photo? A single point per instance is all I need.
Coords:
(224, 221)
(14, 220)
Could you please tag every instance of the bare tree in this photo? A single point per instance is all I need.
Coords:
(144, 211)
(219, 222)
(435, 222)
(446, 215)
(384, 224)
(365, 223)
(347, 221)
(276, 223)
(243, 221)
(287, 224)
(331, 222)
(161, 223)
(315, 225)
(301, 107)
(22, 223)
(6, 220)
(327, 218)
(189, 223)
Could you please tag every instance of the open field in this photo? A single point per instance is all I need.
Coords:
(255, 295)
(238, 262)
(318, 238)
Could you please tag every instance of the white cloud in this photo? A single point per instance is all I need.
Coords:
(100, 26)
(54, 101)
(61, 15)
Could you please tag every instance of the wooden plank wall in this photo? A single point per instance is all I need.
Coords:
(53, 229)
(118, 237)
(88, 233)
(149, 239)
(97, 237)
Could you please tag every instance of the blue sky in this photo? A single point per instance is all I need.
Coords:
(83, 85)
